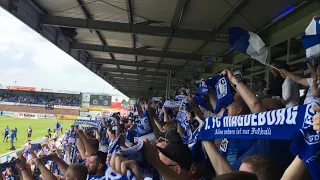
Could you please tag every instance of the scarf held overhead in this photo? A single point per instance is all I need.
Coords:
(276, 124)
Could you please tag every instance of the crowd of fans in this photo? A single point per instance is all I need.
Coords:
(108, 147)
(40, 99)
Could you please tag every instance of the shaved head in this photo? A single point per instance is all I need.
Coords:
(238, 107)
(77, 172)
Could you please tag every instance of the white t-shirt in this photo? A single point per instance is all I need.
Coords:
(290, 92)
(309, 97)
(55, 135)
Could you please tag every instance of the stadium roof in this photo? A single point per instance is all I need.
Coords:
(133, 44)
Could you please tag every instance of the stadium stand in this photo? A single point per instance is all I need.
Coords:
(40, 110)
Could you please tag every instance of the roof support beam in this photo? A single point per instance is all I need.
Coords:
(131, 21)
(177, 16)
(140, 64)
(142, 85)
(141, 77)
(135, 81)
(145, 52)
(133, 28)
(131, 71)
(88, 16)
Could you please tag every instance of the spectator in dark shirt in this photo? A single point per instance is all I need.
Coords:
(275, 84)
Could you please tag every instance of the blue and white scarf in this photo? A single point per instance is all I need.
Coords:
(92, 123)
(111, 175)
(114, 146)
(187, 137)
(276, 124)
(306, 144)
(203, 88)
(201, 102)
(144, 128)
(221, 86)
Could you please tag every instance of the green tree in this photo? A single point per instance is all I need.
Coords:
(124, 102)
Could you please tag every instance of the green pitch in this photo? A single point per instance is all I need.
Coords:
(39, 130)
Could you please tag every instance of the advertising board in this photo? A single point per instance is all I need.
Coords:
(9, 113)
(28, 115)
(22, 88)
(100, 100)
(66, 117)
(65, 107)
(47, 116)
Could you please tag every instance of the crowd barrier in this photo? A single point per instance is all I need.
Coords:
(7, 156)
(39, 105)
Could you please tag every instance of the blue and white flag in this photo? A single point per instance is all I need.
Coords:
(276, 124)
(311, 39)
(248, 43)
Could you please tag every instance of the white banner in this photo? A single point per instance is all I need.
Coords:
(8, 103)
(66, 107)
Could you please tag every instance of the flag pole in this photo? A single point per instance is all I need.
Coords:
(272, 67)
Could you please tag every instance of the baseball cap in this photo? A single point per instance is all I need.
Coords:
(171, 136)
(180, 153)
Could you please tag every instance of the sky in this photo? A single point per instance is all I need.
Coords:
(28, 59)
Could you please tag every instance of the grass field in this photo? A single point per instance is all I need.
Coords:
(39, 130)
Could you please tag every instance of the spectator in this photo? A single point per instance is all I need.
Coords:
(290, 89)
(262, 90)
(274, 85)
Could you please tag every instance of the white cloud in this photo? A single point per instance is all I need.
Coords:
(18, 56)
(41, 64)
(3, 47)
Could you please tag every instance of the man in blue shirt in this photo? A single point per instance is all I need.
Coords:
(6, 133)
(15, 133)
(12, 135)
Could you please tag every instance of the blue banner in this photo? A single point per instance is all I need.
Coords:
(276, 124)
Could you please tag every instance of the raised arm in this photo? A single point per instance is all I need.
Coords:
(313, 70)
(152, 114)
(295, 171)
(45, 172)
(247, 95)
(219, 163)
(86, 142)
(295, 78)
